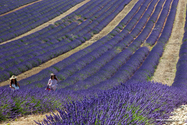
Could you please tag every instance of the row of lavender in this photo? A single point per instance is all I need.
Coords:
(141, 104)
(137, 68)
(23, 20)
(60, 26)
(34, 54)
(134, 103)
(180, 78)
(49, 31)
(148, 67)
(97, 51)
(121, 75)
(103, 62)
(8, 5)
(37, 102)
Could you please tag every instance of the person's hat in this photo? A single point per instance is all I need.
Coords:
(13, 77)
(52, 74)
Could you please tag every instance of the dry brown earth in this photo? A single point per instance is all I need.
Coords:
(28, 120)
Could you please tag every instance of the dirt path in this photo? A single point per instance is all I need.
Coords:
(19, 8)
(166, 69)
(96, 37)
(49, 22)
(28, 120)
(178, 117)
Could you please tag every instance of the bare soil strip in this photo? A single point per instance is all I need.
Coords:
(49, 22)
(96, 37)
(28, 120)
(19, 8)
(166, 69)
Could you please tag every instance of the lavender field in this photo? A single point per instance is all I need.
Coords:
(107, 83)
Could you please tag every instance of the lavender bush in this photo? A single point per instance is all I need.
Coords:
(26, 101)
(139, 103)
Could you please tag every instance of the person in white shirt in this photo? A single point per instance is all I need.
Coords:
(52, 83)
(14, 85)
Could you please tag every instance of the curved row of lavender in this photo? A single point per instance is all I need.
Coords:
(8, 111)
(130, 103)
(112, 73)
(34, 51)
(98, 51)
(27, 18)
(8, 5)
(147, 69)
(88, 64)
